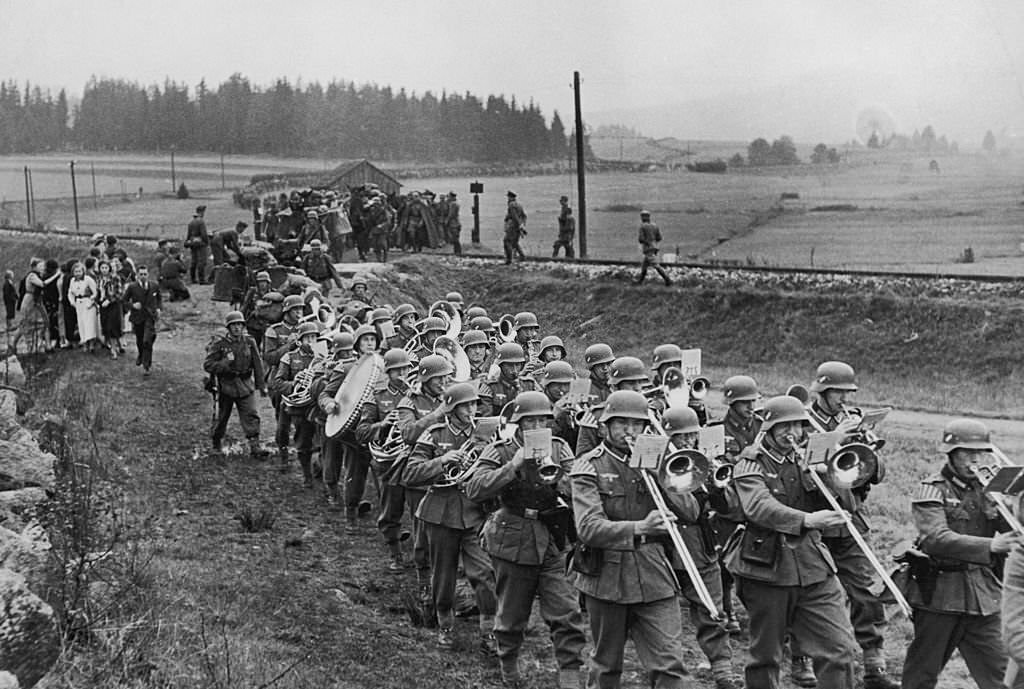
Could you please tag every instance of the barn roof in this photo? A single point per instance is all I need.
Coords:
(352, 173)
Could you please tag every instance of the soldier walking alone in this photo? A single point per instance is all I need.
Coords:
(515, 229)
(566, 229)
(649, 238)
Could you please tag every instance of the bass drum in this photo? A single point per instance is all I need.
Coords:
(228, 283)
(355, 391)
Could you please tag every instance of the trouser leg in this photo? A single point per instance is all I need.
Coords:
(657, 632)
(936, 636)
(140, 339)
(420, 547)
(821, 623)
(392, 505)
(983, 651)
(477, 565)
(283, 431)
(248, 416)
(333, 455)
(712, 637)
(608, 627)
(643, 270)
(225, 405)
(560, 609)
(507, 245)
(304, 445)
(444, 567)
(867, 613)
(769, 609)
(357, 464)
(663, 274)
(515, 587)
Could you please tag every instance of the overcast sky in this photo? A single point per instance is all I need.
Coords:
(958, 64)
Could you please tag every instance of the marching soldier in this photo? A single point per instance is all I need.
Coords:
(280, 337)
(834, 384)
(741, 424)
(526, 329)
(431, 328)
(254, 324)
(555, 380)
(649, 237)
(295, 411)
(318, 267)
(784, 575)
(197, 240)
(405, 318)
(451, 519)
(625, 373)
(420, 409)
(628, 586)
(527, 540)
(376, 420)
(344, 452)
(551, 348)
(566, 230)
(956, 591)
(668, 356)
(381, 321)
(235, 361)
(683, 429)
(495, 394)
(452, 224)
(361, 290)
(478, 350)
(515, 229)
(598, 359)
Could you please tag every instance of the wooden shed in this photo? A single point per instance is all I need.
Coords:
(354, 173)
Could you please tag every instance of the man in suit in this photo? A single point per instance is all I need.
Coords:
(143, 298)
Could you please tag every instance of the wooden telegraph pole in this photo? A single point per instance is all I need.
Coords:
(581, 183)
(74, 195)
(28, 201)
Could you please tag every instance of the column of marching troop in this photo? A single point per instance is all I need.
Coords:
(446, 424)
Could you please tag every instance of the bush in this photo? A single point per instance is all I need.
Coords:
(182, 191)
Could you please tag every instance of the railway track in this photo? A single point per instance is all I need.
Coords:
(633, 264)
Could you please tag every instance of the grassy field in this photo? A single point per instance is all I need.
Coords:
(898, 214)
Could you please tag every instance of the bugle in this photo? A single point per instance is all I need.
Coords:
(819, 483)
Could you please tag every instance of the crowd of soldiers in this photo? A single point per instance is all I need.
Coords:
(579, 525)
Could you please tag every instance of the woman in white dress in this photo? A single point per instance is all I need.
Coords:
(82, 292)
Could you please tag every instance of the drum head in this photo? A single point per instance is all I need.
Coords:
(355, 390)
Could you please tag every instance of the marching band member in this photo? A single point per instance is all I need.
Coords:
(343, 451)
(551, 348)
(255, 325)
(478, 349)
(741, 424)
(495, 394)
(235, 361)
(280, 337)
(405, 318)
(377, 416)
(527, 539)
(628, 586)
(668, 356)
(431, 328)
(555, 380)
(420, 409)
(473, 312)
(956, 597)
(598, 359)
(834, 384)
(283, 384)
(452, 521)
(784, 575)
(378, 319)
(624, 373)
(682, 426)
(527, 327)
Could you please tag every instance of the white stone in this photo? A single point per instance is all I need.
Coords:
(29, 642)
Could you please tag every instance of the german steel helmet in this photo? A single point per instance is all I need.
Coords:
(453, 298)
(293, 301)
(263, 276)
(307, 328)
(474, 311)
(274, 297)
(343, 341)
(234, 317)
(526, 319)
(509, 353)
(381, 314)
(625, 404)
(783, 409)
(833, 375)
(482, 323)
(404, 310)
(558, 372)
(740, 388)
(627, 368)
(666, 354)
(597, 354)
(433, 324)
(550, 341)
(474, 337)
(460, 393)
(432, 366)
(396, 358)
(531, 403)
(680, 420)
(362, 331)
(970, 434)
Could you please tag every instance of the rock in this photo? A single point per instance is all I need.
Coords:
(22, 463)
(17, 504)
(8, 413)
(29, 642)
(8, 681)
(26, 556)
(15, 374)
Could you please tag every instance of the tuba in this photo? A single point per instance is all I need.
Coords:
(449, 348)
(447, 312)
(322, 312)
(389, 449)
(301, 394)
(507, 328)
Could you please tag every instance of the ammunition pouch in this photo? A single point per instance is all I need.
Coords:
(586, 560)
(759, 546)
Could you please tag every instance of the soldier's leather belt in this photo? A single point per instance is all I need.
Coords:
(524, 512)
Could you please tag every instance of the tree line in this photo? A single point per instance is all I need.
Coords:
(339, 120)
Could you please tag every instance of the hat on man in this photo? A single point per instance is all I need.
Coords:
(511, 194)
(241, 225)
(316, 244)
(563, 199)
(263, 276)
